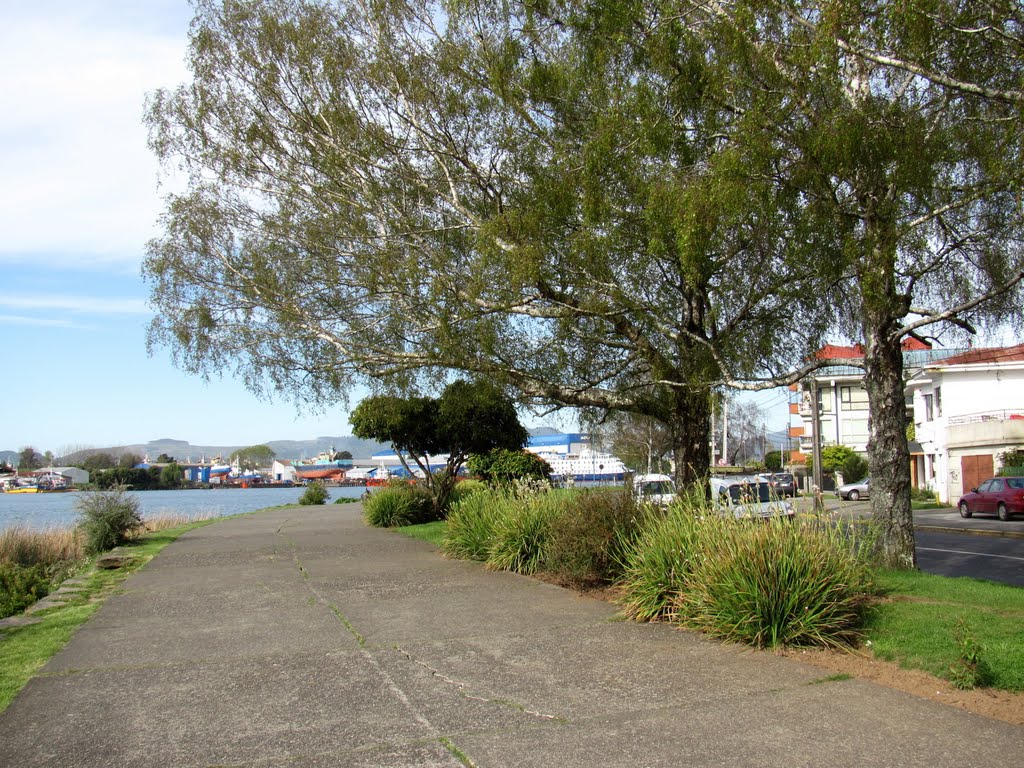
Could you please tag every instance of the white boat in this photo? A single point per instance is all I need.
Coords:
(586, 466)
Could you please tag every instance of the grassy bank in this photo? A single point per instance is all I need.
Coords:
(26, 649)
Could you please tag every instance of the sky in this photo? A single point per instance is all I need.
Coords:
(79, 199)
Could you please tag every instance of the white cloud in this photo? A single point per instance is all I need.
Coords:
(78, 178)
(44, 322)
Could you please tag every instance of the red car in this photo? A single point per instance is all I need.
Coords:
(1002, 495)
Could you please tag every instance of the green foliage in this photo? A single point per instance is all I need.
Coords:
(1012, 463)
(777, 584)
(502, 465)
(773, 461)
(171, 476)
(29, 458)
(922, 494)
(472, 522)
(834, 457)
(398, 505)
(586, 539)
(657, 563)
(969, 670)
(346, 500)
(129, 477)
(107, 518)
(315, 493)
(520, 536)
(21, 586)
(854, 468)
(254, 457)
(434, 532)
(464, 488)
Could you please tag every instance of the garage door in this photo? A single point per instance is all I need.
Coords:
(975, 470)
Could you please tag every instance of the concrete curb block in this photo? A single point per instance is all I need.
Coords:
(969, 531)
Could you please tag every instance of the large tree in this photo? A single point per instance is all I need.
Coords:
(392, 191)
(899, 124)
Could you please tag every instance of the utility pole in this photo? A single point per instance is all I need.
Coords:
(725, 431)
(816, 435)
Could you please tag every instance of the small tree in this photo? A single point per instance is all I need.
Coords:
(502, 465)
(468, 418)
(108, 518)
(315, 493)
(253, 457)
(29, 458)
(773, 461)
(171, 476)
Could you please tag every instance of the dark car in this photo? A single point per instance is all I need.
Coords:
(1003, 496)
(784, 484)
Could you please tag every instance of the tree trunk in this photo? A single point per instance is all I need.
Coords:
(691, 434)
(888, 453)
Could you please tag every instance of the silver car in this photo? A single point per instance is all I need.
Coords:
(854, 491)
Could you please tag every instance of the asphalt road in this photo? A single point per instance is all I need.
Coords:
(982, 547)
(982, 557)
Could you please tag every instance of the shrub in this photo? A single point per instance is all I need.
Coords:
(397, 505)
(502, 465)
(520, 535)
(21, 586)
(107, 518)
(315, 493)
(471, 524)
(464, 488)
(855, 468)
(922, 494)
(587, 536)
(657, 562)
(776, 584)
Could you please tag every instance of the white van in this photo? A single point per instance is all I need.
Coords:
(654, 489)
(748, 496)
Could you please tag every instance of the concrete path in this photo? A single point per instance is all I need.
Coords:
(299, 637)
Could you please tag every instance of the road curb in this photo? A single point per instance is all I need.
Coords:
(969, 531)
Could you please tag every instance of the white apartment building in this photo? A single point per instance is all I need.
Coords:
(968, 409)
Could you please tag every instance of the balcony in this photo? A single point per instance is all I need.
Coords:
(986, 429)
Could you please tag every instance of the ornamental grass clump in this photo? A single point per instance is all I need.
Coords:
(773, 584)
(471, 524)
(520, 534)
(108, 518)
(398, 505)
(656, 563)
(315, 494)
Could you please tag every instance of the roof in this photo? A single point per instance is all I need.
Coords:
(987, 356)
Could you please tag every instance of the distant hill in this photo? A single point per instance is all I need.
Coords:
(183, 450)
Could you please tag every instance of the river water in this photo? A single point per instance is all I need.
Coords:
(39, 511)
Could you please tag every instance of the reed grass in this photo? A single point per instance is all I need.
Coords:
(27, 547)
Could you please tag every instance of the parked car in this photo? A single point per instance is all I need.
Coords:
(854, 491)
(1003, 496)
(745, 496)
(784, 483)
(654, 489)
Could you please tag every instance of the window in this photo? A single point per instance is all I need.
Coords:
(825, 400)
(938, 402)
(853, 398)
(855, 431)
(984, 487)
(928, 408)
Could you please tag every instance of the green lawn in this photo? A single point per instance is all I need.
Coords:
(916, 626)
(432, 532)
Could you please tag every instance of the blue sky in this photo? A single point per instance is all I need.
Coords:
(79, 198)
(78, 201)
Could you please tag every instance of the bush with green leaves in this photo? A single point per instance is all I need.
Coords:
(521, 534)
(501, 466)
(315, 493)
(855, 468)
(107, 518)
(471, 524)
(21, 586)
(776, 583)
(399, 504)
(588, 535)
(657, 561)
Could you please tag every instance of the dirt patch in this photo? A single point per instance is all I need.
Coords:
(999, 705)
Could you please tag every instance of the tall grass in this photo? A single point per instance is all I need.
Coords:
(26, 547)
(471, 523)
(520, 535)
(775, 583)
(658, 561)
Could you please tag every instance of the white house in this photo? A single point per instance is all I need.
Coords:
(282, 471)
(968, 409)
